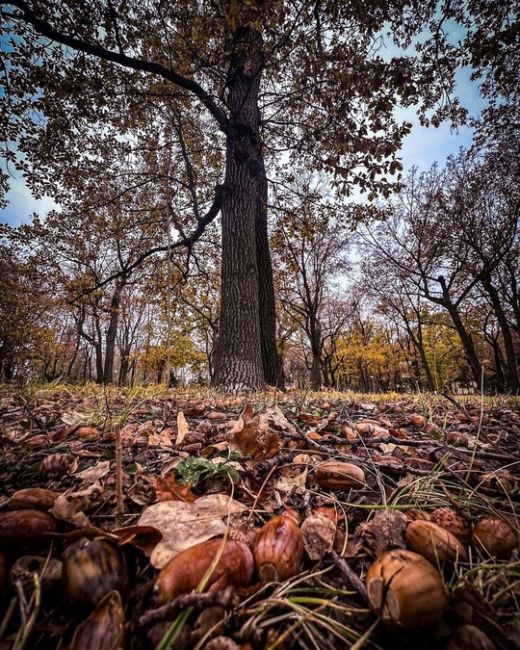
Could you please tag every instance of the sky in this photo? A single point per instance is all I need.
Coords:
(421, 148)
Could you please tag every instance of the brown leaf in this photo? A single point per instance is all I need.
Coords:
(167, 488)
(182, 428)
(104, 628)
(186, 524)
(144, 538)
(252, 435)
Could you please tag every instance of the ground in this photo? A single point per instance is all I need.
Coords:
(133, 478)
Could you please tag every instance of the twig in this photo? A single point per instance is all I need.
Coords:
(350, 576)
(120, 513)
(226, 598)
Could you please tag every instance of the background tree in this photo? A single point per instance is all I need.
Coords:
(251, 79)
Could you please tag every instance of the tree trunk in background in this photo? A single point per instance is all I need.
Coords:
(110, 352)
(511, 370)
(315, 377)
(467, 344)
(271, 360)
(464, 335)
(238, 355)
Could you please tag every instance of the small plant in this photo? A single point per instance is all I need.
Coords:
(198, 471)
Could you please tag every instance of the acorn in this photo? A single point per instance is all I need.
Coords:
(278, 549)
(469, 637)
(452, 521)
(337, 475)
(48, 569)
(405, 590)
(184, 572)
(56, 465)
(24, 526)
(417, 420)
(433, 542)
(91, 569)
(32, 499)
(494, 536)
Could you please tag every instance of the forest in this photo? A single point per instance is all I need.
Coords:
(259, 366)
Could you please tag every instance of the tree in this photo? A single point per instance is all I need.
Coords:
(309, 243)
(305, 77)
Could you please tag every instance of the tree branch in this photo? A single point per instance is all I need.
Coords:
(45, 29)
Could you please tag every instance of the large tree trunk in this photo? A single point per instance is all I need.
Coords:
(271, 360)
(238, 357)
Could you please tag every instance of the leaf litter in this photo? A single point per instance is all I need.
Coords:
(221, 468)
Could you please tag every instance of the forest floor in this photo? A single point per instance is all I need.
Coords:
(128, 479)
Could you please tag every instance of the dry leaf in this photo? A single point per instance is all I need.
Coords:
(186, 524)
(104, 628)
(252, 436)
(294, 484)
(145, 538)
(167, 488)
(182, 428)
(98, 471)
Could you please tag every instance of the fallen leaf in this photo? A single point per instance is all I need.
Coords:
(104, 628)
(252, 436)
(186, 524)
(292, 484)
(96, 472)
(145, 538)
(182, 428)
(167, 488)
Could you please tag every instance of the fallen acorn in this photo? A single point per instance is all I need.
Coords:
(56, 465)
(417, 420)
(494, 536)
(32, 499)
(91, 569)
(48, 569)
(452, 521)
(469, 637)
(20, 526)
(434, 543)
(184, 572)
(278, 549)
(405, 590)
(337, 475)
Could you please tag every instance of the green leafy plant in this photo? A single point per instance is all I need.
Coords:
(200, 470)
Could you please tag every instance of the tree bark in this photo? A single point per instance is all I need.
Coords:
(464, 335)
(238, 357)
(512, 375)
(110, 352)
(271, 360)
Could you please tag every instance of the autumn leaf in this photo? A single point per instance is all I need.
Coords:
(167, 488)
(253, 437)
(182, 427)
